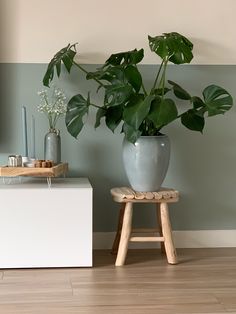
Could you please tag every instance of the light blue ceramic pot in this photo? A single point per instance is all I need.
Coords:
(146, 162)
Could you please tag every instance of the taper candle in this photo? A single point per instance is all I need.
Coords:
(24, 130)
(32, 137)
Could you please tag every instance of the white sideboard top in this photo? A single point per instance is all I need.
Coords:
(41, 183)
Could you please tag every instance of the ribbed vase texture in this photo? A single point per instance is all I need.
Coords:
(146, 162)
(52, 146)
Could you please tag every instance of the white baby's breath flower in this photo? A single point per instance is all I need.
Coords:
(52, 104)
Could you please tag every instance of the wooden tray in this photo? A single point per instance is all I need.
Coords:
(54, 171)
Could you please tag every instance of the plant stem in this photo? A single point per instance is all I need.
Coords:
(164, 77)
(144, 90)
(55, 119)
(85, 71)
(50, 121)
(97, 106)
(158, 73)
(143, 87)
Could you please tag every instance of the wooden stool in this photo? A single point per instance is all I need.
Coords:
(124, 235)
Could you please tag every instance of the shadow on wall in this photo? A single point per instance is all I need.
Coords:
(201, 168)
(8, 30)
(7, 107)
(102, 164)
(8, 22)
(207, 51)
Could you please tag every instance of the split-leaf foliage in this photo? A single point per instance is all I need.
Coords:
(127, 101)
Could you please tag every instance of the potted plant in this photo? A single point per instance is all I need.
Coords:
(143, 113)
(53, 106)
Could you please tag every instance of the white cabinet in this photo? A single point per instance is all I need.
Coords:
(46, 227)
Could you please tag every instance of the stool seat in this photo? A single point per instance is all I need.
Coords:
(126, 194)
(125, 234)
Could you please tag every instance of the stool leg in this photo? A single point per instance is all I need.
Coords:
(118, 232)
(160, 227)
(125, 234)
(167, 234)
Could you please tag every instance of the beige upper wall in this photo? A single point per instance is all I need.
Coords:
(33, 30)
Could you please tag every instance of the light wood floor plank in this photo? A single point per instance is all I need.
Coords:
(203, 282)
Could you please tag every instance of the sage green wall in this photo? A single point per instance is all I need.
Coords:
(202, 167)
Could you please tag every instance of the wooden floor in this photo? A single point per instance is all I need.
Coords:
(203, 282)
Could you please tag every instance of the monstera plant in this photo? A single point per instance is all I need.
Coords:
(142, 112)
(127, 100)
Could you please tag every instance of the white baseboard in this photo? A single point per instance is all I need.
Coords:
(182, 239)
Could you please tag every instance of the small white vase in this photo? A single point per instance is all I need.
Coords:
(146, 162)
